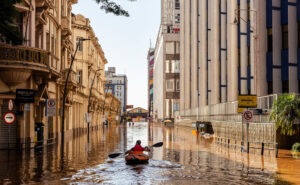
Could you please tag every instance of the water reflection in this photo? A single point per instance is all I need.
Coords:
(185, 158)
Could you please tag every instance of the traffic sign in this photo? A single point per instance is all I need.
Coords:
(51, 107)
(248, 101)
(9, 117)
(10, 105)
(248, 116)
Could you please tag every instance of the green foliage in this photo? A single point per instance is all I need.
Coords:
(285, 112)
(112, 7)
(296, 147)
(9, 30)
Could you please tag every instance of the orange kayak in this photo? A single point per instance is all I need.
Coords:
(136, 157)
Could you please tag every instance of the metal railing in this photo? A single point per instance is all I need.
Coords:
(227, 111)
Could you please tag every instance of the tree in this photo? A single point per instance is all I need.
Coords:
(286, 112)
(10, 31)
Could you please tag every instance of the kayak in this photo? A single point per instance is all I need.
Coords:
(136, 157)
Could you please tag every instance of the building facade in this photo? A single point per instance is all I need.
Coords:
(150, 64)
(112, 109)
(88, 77)
(117, 85)
(167, 65)
(238, 47)
(33, 75)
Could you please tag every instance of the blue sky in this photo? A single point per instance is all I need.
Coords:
(126, 40)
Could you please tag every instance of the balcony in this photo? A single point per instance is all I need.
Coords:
(72, 82)
(17, 63)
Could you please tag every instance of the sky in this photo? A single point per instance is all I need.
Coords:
(126, 40)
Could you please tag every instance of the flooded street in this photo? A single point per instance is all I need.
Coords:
(185, 158)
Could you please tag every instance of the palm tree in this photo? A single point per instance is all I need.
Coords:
(286, 112)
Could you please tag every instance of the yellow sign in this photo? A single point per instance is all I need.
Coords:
(249, 101)
(241, 110)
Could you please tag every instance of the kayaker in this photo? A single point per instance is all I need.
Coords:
(138, 147)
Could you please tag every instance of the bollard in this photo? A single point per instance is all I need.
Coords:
(248, 147)
(262, 148)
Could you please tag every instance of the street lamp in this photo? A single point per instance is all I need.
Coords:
(65, 91)
(89, 101)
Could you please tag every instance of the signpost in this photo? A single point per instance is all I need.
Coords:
(51, 107)
(247, 117)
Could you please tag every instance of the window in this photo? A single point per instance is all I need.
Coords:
(285, 86)
(170, 48)
(170, 85)
(177, 18)
(48, 41)
(167, 66)
(177, 49)
(270, 40)
(80, 47)
(285, 37)
(177, 85)
(177, 66)
(79, 77)
(177, 5)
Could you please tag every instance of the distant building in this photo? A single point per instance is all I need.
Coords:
(137, 114)
(150, 64)
(166, 91)
(117, 85)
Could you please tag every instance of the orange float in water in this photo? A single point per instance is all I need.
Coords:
(136, 157)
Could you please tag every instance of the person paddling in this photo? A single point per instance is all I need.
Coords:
(138, 147)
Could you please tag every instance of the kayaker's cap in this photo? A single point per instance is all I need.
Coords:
(138, 142)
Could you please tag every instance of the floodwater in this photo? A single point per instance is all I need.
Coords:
(185, 158)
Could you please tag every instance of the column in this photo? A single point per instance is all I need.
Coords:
(277, 47)
(216, 52)
(194, 54)
(187, 53)
(203, 53)
(182, 55)
(223, 50)
(232, 66)
(243, 45)
(293, 45)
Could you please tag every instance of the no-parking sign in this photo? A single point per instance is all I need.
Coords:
(248, 116)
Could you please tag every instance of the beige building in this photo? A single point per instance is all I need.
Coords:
(87, 78)
(32, 76)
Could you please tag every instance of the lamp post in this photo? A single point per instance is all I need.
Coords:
(65, 91)
(89, 101)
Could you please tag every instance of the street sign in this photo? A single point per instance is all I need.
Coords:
(241, 109)
(9, 117)
(247, 101)
(129, 106)
(10, 105)
(25, 95)
(51, 107)
(27, 107)
(248, 116)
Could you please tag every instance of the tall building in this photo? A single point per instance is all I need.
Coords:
(117, 85)
(167, 66)
(237, 47)
(150, 64)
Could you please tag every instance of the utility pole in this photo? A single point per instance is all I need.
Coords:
(65, 92)
(89, 101)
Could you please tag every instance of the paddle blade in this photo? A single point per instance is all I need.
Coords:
(114, 155)
(158, 144)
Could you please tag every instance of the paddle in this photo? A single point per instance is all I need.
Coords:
(114, 155)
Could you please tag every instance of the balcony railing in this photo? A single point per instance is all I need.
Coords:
(23, 54)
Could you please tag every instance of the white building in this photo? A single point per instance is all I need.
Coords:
(166, 66)
(117, 85)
